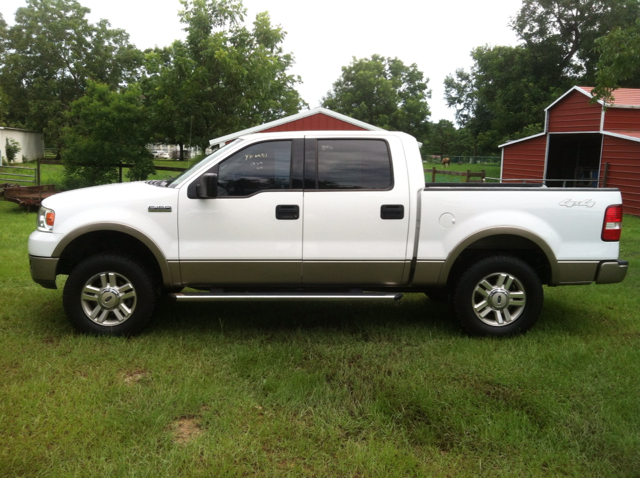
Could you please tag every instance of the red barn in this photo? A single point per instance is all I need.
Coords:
(583, 145)
(317, 119)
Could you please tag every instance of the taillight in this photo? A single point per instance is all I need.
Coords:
(612, 227)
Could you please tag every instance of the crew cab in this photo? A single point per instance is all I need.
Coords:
(322, 215)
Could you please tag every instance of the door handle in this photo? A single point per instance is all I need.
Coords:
(392, 211)
(288, 212)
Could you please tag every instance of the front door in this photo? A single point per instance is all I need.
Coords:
(252, 232)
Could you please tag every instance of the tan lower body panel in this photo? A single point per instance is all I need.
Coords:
(428, 273)
(241, 272)
(577, 272)
(378, 273)
(338, 273)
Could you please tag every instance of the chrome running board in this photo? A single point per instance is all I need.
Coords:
(230, 297)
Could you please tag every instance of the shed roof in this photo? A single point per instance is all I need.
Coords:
(622, 97)
(296, 117)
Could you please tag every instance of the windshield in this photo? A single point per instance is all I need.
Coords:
(172, 183)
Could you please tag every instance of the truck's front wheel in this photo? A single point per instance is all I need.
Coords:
(498, 296)
(109, 294)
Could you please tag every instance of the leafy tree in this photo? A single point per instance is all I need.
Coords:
(223, 78)
(505, 92)
(49, 54)
(383, 92)
(106, 127)
(444, 139)
(565, 31)
(507, 89)
(619, 63)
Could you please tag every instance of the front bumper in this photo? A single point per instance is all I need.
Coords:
(611, 272)
(43, 270)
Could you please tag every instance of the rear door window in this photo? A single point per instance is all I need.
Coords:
(354, 164)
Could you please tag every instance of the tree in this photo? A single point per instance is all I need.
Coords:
(565, 31)
(619, 63)
(445, 140)
(383, 92)
(106, 127)
(49, 54)
(223, 78)
(507, 89)
(505, 93)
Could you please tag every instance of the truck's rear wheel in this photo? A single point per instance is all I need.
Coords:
(498, 296)
(109, 294)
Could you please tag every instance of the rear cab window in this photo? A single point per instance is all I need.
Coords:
(348, 164)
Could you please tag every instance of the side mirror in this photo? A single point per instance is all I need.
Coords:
(208, 186)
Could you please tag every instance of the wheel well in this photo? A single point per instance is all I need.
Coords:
(517, 246)
(107, 241)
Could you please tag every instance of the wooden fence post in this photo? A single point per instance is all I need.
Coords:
(38, 173)
(120, 170)
(433, 175)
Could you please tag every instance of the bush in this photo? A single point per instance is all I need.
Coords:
(12, 148)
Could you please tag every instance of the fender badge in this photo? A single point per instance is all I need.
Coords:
(584, 202)
(159, 208)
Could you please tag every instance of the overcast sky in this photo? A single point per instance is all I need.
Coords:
(324, 35)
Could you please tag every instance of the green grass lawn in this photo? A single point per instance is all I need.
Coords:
(492, 170)
(318, 389)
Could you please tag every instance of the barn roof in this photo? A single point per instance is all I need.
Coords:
(622, 97)
(303, 114)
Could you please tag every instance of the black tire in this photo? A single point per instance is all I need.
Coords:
(498, 296)
(120, 295)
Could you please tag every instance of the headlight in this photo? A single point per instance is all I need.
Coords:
(46, 218)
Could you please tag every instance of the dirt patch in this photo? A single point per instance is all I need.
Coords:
(136, 376)
(186, 429)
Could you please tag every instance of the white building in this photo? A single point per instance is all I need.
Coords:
(31, 143)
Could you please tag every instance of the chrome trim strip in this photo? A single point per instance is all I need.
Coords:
(205, 297)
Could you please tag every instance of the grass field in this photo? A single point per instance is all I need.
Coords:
(492, 170)
(318, 389)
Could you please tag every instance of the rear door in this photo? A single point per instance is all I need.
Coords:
(356, 211)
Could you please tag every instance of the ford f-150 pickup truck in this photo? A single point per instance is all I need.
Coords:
(322, 216)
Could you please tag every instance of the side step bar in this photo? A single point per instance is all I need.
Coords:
(222, 296)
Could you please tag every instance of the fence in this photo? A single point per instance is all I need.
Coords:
(120, 166)
(437, 159)
(468, 175)
(18, 172)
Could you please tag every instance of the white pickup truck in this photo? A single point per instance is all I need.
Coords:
(322, 215)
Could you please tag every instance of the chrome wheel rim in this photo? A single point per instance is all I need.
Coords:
(498, 299)
(108, 299)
